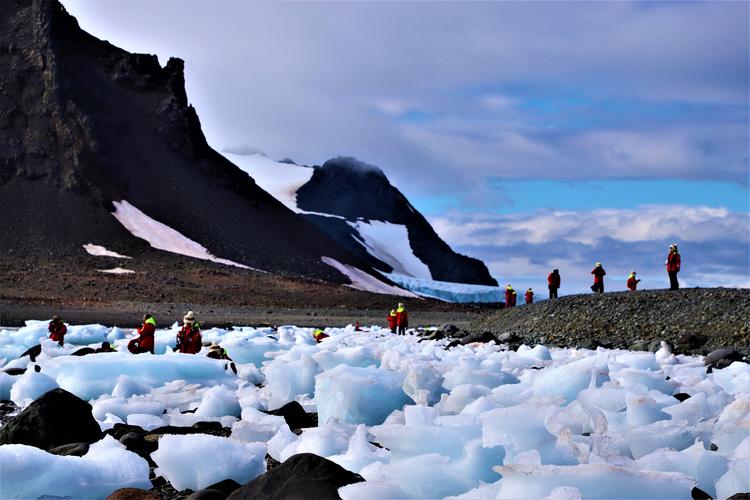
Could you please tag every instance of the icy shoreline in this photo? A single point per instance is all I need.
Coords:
(487, 422)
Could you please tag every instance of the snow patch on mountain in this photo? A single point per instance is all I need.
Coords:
(100, 251)
(117, 270)
(390, 243)
(161, 236)
(360, 280)
(280, 180)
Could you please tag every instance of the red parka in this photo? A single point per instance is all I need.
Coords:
(598, 273)
(510, 297)
(553, 280)
(529, 296)
(673, 262)
(146, 332)
(402, 317)
(392, 321)
(57, 331)
(189, 339)
(632, 283)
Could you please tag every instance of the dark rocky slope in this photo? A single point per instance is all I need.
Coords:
(84, 123)
(355, 190)
(695, 320)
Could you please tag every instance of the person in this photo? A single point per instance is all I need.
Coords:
(510, 296)
(402, 319)
(319, 335)
(392, 321)
(598, 273)
(529, 296)
(57, 330)
(673, 266)
(106, 347)
(145, 340)
(218, 352)
(632, 283)
(553, 283)
(189, 336)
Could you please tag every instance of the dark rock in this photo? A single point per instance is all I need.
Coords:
(136, 442)
(72, 449)
(84, 351)
(699, 494)
(483, 337)
(15, 371)
(294, 415)
(453, 343)
(303, 476)
(207, 494)
(681, 396)
(690, 342)
(133, 494)
(449, 329)
(208, 426)
(713, 447)
(56, 418)
(117, 431)
(226, 486)
(32, 352)
(721, 358)
(740, 496)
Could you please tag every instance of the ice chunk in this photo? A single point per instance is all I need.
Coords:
(126, 387)
(460, 376)
(662, 434)
(631, 378)
(256, 426)
(31, 386)
(211, 459)
(6, 382)
(371, 491)
(28, 472)
(643, 411)
(736, 479)
(459, 397)
(358, 395)
(423, 383)
(321, 441)
(145, 420)
(218, 402)
(285, 380)
(361, 356)
(412, 440)
(518, 428)
(283, 438)
(592, 481)
(360, 452)
(245, 349)
(426, 476)
(122, 407)
(570, 379)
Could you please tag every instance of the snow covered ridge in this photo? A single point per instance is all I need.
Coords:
(161, 236)
(360, 280)
(100, 251)
(466, 422)
(450, 292)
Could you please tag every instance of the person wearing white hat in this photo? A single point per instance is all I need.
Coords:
(598, 272)
(189, 337)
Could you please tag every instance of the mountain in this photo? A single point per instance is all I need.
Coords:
(98, 146)
(357, 206)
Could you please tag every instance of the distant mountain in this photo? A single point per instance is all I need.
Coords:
(356, 205)
(98, 146)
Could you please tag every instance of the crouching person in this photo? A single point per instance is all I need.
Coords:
(218, 352)
(145, 340)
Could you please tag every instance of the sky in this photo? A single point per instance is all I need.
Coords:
(532, 135)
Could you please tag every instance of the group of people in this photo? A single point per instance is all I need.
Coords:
(189, 340)
(398, 320)
(553, 279)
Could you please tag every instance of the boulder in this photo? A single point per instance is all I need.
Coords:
(722, 357)
(296, 417)
(55, 419)
(302, 476)
(15, 371)
(136, 442)
(449, 329)
(32, 352)
(72, 449)
(132, 494)
(690, 342)
(218, 491)
(483, 337)
(83, 351)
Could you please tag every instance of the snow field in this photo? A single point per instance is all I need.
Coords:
(414, 419)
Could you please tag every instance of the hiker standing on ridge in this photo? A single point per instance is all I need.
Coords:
(392, 321)
(189, 336)
(57, 330)
(553, 283)
(673, 266)
(529, 296)
(510, 296)
(598, 272)
(145, 340)
(632, 282)
(402, 319)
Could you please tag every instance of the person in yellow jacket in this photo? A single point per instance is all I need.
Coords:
(319, 335)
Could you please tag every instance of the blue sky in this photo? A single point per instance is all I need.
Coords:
(492, 116)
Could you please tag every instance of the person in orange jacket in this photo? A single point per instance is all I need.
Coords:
(189, 339)
(145, 340)
(673, 266)
(632, 282)
(598, 272)
(402, 319)
(553, 283)
(392, 320)
(510, 296)
(57, 330)
(529, 296)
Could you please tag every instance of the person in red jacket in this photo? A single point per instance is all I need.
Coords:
(57, 330)
(319, 335)
(673, 266)
(189, 337)
(402, 319)
(145, 340)
(510, 296)
(392, 321)
(529, 296)
(553, 283)
(632, 282)
(598, 273)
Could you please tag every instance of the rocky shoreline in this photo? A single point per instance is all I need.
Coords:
(693, 321)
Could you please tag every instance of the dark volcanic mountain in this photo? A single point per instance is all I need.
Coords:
(355, 190)
(84, 124)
